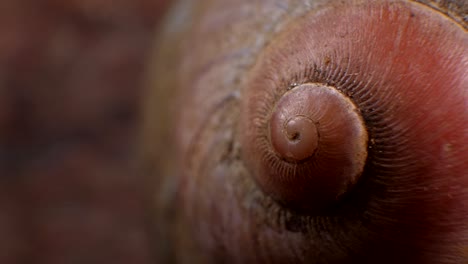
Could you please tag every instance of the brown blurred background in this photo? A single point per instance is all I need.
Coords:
(70, 81)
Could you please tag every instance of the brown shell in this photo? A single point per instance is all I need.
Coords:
(219, 77)
(307, 150)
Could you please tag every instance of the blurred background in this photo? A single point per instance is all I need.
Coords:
(70, 81)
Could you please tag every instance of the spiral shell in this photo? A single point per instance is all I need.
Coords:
(316, 148)
(378, 69)
(311, 132)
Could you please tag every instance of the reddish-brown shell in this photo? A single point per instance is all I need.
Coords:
(386, 59)
(315, 147)
(401, 64)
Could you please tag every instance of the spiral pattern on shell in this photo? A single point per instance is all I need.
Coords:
(312, 132)
(386, 70)
(312, 148)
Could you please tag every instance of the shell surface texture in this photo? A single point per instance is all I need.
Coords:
(310, 132)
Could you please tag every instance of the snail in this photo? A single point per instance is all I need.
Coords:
(309, 132)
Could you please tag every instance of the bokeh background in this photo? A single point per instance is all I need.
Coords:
(71, 75)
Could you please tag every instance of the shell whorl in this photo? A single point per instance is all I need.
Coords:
(312, 125)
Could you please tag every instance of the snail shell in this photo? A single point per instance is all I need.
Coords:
(309, 149)
(311, 132)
